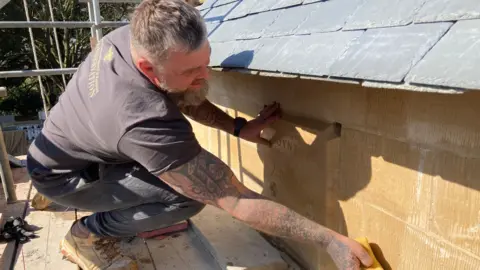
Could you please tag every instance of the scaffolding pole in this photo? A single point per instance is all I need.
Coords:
(112, 24)
(90, 18)
(36, 72)
(35, 58)
(6, 172)
(57, 43)
(44, 24)
(97, 19)
(58, 24)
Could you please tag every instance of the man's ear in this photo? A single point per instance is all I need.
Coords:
(148, 69)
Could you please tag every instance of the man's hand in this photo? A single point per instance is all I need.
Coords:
(252, 130)
(210, 115)
(347, 253)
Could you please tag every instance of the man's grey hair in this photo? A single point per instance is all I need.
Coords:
(158, 26)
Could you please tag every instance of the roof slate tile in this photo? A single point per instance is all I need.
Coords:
(448, 10)
(222, 51)
(453, 62)
(241, 10)
(286, 3)
(271, 47)
(388, 54)
(313, 1)
(381, 13)
(263, 5)
(315, 39)
(225, 32)
(242, 54)
(328, 16)
(314, 54)
(212, 27)
(288, 22)
(204, 12)
(207, 4)
(219, 13)
(224, 2)
(253, 27)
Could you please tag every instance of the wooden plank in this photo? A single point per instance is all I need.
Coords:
(43, 252)
(138, 250)
(181, 251)
(7, 250)
(22, 189)
(6, 173)
(233, 244)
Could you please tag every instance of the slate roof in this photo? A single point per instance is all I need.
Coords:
(423, 45)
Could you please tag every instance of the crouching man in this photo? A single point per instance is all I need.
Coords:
(117, 143)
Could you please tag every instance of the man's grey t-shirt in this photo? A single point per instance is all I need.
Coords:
(111, 113)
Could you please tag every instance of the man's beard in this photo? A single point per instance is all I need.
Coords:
(188, 97)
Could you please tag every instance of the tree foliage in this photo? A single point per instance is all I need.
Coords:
(17, 54)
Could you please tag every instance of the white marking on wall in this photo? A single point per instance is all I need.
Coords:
(433, 202)
(209, 132)
(421, 165)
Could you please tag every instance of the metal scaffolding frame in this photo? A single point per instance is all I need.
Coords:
(96, 25)
(36, 72)
(57, 24)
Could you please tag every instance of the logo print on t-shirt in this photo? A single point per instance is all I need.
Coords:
(94, 75)
(109, 55)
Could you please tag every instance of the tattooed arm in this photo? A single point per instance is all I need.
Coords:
(210, 115)
(207, 179)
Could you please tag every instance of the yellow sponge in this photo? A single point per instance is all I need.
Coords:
(376, 265)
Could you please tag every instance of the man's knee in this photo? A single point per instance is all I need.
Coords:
(142, 218)
(188, 209)
(197, 208)
(170, 215)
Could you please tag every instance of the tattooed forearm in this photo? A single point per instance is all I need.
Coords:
(273, 218)
(207, 179)
(210, 115)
